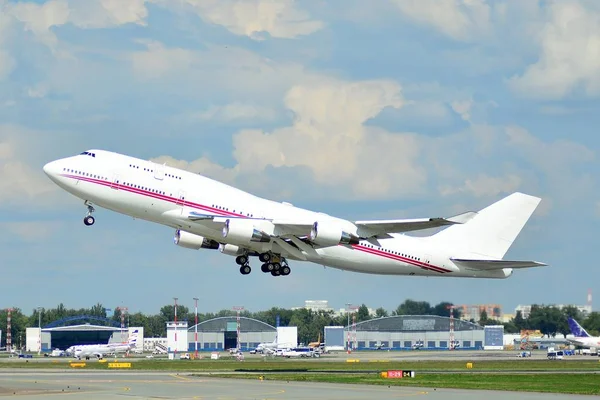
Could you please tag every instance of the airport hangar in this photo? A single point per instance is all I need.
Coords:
(430, 332)
(59, 335)
(401, 332)
(221, 333)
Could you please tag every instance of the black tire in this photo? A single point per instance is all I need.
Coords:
(265, 257)
(245, 269)
(270, 267)
(285, 270)
(89, 220)
(276, 272)
(264, 268)
(241, 260)
(276, 266)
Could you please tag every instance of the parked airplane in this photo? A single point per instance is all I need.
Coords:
(207, 214)
(274, 345)
(99, 350)
(581, 337)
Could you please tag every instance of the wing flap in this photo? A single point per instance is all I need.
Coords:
(490, 265)
(383, 227)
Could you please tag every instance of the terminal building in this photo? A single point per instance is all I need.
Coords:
(405, 332)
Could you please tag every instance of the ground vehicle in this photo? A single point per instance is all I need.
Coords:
(555, 354)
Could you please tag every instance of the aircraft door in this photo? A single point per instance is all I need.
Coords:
(115, 182)
(159, 172)
(181, 198)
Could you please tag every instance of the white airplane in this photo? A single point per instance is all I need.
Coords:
(581, 337)
(99, 350)
(207, 214)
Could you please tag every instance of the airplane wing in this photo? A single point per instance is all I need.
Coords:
(490, 265)
(383, 228)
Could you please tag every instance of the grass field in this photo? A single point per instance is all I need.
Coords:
(314, 365)
(530, 382)
(577, 376)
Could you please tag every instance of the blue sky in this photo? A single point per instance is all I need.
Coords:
(389, 109)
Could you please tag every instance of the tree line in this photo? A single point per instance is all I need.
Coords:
(549, 320)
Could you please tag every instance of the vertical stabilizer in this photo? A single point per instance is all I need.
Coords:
(576, 329)
(493, 230)
(133, 337)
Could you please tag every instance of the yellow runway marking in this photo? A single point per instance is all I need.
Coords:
(179, 377)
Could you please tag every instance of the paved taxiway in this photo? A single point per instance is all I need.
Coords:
(77, 385)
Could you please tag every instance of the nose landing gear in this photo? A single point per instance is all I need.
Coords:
(89, 220)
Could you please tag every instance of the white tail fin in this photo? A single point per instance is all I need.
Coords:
(493, 230)
(133, 337)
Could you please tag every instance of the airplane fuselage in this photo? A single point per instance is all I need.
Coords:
(162, 194)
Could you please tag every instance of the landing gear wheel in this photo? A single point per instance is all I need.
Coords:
(276, 272)
(245, 269)
(265, 257)
(241, 260)
(285, 270)
(276, 266)
(89, 220)
(270, 267)
(264, 268)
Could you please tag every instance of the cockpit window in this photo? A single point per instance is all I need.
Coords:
(87, 153)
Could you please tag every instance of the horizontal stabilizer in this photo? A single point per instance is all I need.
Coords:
(382, 227)
(490, 265)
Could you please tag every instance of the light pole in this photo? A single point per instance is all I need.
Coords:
(348, 326)
(39, 309)
(196, 328)
(175, 298)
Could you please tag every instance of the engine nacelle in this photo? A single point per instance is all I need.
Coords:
(329, 235)
(243, 231)
(195, 242)
(230, 249)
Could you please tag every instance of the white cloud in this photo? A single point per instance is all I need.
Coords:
(235, 111)
(329, 140)
(20, 183)
(569, 57)
(159, 60)
(462, 108)
(485, 186)
(554, 158)
(458, 19)
(218, 73)
(41, 18)
(252, 18)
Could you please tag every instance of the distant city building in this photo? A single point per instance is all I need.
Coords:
(323, 305)
(473, 311)
(315, 305)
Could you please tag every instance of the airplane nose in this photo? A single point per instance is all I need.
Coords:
(51, 169)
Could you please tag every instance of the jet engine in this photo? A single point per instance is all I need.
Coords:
(195, 242)
(328, 235)
(243, 231)
(230, 249)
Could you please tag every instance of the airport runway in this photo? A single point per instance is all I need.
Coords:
(77, 385)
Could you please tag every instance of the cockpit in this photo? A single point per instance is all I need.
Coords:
(88, 153)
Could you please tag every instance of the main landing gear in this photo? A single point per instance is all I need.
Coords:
(275, 264)
(242, 261)
(89, 220)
